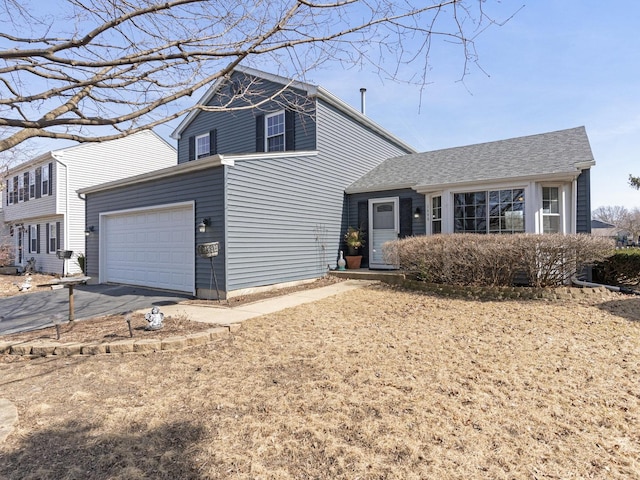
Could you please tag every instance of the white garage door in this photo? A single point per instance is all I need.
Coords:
(151, 248)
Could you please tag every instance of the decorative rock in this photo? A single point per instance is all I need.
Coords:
(5, 347)
(20, 349)
(199, 338)
(43, 349)
(234, 327)
(94, 349)
(174, 343)
(121, 346)
(67, 349)
(147, 345)
(218, 332)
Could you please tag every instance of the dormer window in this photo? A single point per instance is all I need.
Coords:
(275, 132)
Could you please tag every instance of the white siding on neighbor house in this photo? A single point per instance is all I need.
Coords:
(34, 207)
(87, 165)
(46, 261)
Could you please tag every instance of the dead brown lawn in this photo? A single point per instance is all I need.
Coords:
(373, 384)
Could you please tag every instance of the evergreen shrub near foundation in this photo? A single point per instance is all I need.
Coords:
(621, 268)
(497, 260)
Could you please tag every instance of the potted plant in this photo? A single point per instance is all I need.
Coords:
(354, 239)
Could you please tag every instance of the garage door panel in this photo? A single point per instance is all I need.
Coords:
(152, 248)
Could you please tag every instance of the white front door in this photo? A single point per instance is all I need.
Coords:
(384, 222)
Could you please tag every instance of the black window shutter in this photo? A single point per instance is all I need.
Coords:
(192, 148)
(260, 133)
(290, 130)
(363, 225)
(57, 235)
(26, 186)
(406, 218)
(29, 238)
(47, 236)
(15, 189)
(50, 178)
(213, 142)
(38, 182)
(7, 194)
(38, 238)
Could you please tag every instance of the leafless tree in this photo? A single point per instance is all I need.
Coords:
(624, 219)
(94, 70)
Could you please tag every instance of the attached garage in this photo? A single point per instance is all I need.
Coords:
(150, 247)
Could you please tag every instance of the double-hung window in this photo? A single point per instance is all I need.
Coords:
(45, 180)
(33, 239)
(202, 146)
(52, 237)
(275, 128)
(20, 188)
(493, 211)
(32, 184)
(550, 210)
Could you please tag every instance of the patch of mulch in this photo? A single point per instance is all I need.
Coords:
(110, 328)
(10, 284)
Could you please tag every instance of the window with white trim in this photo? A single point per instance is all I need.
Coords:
(52, 237)
(493, 211)
(20, 188)
(202, 146)
(550, 210)
(32, 184)
(45, 180)
(436, 215)
(33, 239)
(274, 135)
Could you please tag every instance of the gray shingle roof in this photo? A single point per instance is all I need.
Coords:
(545, 154)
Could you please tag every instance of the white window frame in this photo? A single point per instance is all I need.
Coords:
(487, 191)
(200, 141)
(21, 188)
(52, 237)
(282, 134)
(544, 214)
(33, 239)
(44, 181)
(32, 184)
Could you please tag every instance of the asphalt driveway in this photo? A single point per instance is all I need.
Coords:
(36, 310)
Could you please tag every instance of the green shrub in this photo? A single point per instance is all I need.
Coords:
(621, 268)
(496, 260)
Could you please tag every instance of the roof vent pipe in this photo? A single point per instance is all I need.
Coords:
(363, 95)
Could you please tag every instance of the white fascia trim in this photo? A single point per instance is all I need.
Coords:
(549, 177)
(399, 186)
(331, 99)
(231, 159)
(585, 165)
(30, 163)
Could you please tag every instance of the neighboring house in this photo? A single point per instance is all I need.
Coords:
(269, 181)
(42, 208)
(608, 230)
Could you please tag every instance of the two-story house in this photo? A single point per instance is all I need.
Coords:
(265, 180)
(43, 211)
(274, 171)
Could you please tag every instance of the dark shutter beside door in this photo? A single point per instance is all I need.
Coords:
(406, 218)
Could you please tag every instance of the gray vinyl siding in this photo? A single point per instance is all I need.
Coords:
(583, 207)
(286, 216)
(236, 130)
(205, 187)
(417, 200)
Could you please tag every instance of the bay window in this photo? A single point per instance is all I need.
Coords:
(492, 211)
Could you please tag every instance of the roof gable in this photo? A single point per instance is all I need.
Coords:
(564, 152)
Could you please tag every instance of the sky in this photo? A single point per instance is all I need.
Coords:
(557, 64)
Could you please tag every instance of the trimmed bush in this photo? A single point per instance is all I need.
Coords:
(497, 260)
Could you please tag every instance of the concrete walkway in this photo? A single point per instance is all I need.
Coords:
(219, 315)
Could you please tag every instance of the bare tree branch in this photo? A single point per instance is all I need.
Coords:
(130, 64)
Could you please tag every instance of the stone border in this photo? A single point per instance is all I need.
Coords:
(146, 345)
